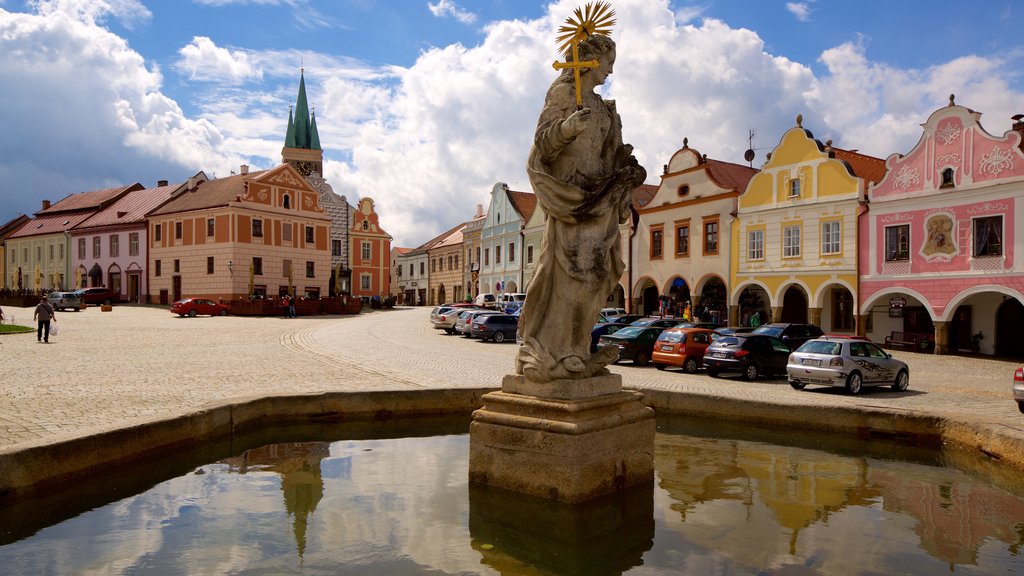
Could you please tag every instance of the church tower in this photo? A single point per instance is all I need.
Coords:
(302, 142)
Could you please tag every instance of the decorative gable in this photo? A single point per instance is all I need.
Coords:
(954, 151)
(284, 187)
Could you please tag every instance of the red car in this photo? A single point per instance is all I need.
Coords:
(192, 307)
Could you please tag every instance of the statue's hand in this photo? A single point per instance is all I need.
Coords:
(575, 124)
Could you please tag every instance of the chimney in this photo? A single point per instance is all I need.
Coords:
(46, 204)
(161, 183)
(243, 169)
(479, 211)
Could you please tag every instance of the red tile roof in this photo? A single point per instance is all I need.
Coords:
(93, 200)
(871, 169)
(13, 225)
(51, 223)
(643, 194)
(729, 175)
(451, 237)
(208, 194)
(130, 208)
(524, 203)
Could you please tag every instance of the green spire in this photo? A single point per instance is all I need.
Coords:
(314, 136)
(302, 131)
(289, 137)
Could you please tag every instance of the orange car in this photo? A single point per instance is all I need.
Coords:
(683, 347)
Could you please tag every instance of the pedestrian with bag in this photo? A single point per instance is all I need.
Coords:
(44, 314)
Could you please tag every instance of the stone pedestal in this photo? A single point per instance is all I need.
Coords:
(567, 440)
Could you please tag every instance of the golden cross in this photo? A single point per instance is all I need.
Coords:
(576, 66)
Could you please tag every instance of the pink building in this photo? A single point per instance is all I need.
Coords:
(940, 246)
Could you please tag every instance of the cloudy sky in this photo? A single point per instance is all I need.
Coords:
(423, 105)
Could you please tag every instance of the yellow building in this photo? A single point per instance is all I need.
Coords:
(6, 270)
(795, 235)
(447, 263)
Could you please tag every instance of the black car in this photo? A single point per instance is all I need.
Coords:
(600, 329)
(635, 343)
(794, 335)
(749, 354)
(497, 327)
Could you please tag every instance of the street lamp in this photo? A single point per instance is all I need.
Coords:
(231, 267)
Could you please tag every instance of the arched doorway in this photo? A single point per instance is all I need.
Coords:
(1010, 329)
(617, 299)
(837, 311)
(511, 286)
(678, 296)
(442, 296)
(794, 306)
(711, 307)
(754, 308)
(649, 300)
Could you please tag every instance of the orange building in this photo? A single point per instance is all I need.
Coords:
(253, 234)
(370, 249)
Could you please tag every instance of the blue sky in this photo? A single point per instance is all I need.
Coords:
(424, 104)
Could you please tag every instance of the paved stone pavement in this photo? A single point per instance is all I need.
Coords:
(111, 369)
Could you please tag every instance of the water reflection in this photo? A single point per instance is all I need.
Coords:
(726, 501)
(298, 464)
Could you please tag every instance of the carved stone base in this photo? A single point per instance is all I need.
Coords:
(569, 440)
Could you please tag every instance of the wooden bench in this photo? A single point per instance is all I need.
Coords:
(911, 340)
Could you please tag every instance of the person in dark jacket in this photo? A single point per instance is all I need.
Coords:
(43, 315)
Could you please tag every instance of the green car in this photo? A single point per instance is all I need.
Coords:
(635, 343)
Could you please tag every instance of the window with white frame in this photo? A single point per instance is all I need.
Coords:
(133, 244)
(988, 236)
(897, 243)
(794, 187)
(755, 245)
(96, 246)
(830, 237)
(364, 282)
(791, 241)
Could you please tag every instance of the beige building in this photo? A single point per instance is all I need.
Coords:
(446, 280)
(472, 246)
(260, 234)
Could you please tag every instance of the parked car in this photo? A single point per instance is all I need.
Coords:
(193, 307)
(635, 343)
(65, 300)
(1018, 388)
(443, 318)
(794, 335)
(688, 324)
(682, 347)
(464, 324)
(600, 329)
(609, 312)
(749, 354)
(623, 319)
(655, 322)
(98, 295)
(846, 362)
(497, 327)
(730, 331)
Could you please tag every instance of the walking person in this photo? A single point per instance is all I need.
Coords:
(291, 308)
(43, 315)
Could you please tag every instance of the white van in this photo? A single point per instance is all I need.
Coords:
(485, 300)
(513, 297)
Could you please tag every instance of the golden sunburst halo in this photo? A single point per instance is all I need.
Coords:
(594, 18)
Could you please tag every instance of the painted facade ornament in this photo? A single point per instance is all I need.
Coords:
(939, 237)
(262, 195)
(307, 202)
(286, 178)
(948, 133)
(894, 218)
(996, 161)
(905, 177)
(952, 158)
(989, 208)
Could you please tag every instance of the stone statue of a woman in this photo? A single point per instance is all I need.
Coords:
(583, 176)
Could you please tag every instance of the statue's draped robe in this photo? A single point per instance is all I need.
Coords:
(584, 186)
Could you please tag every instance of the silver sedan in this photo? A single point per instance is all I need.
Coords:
(845, 362)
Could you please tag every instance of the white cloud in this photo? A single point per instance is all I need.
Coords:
(203, 60)
(82, 111)
(449, 8)
(429, 140)
(128, 12)
(802, 10)
(687, 14)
